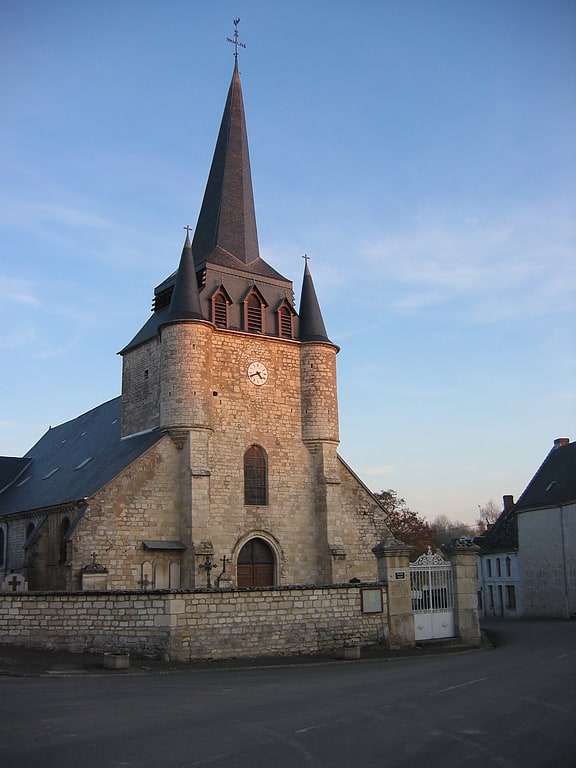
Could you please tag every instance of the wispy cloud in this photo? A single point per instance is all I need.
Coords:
(29, 214)
(384, 469)
(17, 291)
(520, 264)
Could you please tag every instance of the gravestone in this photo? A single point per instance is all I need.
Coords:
(94, 576)
(14, 582)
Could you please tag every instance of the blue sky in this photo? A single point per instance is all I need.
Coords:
(422, 152)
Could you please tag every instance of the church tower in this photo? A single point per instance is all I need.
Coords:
(245, 389)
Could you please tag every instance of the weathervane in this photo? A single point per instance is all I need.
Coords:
(236, 42)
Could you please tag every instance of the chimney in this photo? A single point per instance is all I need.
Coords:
(508, 502)
(560, 442)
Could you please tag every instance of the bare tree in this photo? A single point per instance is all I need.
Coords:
(488, 514)
(404, 524)
(446, 530)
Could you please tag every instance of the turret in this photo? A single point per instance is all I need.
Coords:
(317, 370)
(185, 356)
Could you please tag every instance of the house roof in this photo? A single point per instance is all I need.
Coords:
(502, 536)
(74, 460)
(553, 484)
(555, 481)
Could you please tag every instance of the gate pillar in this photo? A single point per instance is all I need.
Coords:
(393, 558)
(464, 556)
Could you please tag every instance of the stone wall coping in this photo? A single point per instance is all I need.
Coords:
(139, 593)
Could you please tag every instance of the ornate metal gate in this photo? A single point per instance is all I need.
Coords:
(432, 597)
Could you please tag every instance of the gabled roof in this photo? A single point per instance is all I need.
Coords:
(553, 484)
(74, 460)
(555, 481)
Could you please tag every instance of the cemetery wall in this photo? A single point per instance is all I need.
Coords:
(198, 624)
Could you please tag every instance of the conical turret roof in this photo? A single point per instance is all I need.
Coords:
(311, 323)
(185, 301)
(227, 218)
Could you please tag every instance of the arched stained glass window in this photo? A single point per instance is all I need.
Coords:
(255, 476)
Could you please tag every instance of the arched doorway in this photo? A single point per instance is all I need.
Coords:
(255, 567)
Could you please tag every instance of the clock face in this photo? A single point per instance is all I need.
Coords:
(258, 373)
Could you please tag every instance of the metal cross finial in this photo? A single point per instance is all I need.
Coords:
(236, 42)
(306, 258)
(188, 229)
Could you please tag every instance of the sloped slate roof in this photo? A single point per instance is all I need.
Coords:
(312, 326)
(10, 468)
(503, 536)
(74, 460)
(227, 216)
(554, 482)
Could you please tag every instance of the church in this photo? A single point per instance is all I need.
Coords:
(218, 464)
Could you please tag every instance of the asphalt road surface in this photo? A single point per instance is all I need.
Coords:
(511, 707)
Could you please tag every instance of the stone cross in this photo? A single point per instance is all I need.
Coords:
(207, 566)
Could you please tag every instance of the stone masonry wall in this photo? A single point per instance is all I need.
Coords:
(193, 625)
(141, 388)
(547, 555)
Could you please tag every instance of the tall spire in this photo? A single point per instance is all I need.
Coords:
(227, 217)
(311, 323)
(185, 301)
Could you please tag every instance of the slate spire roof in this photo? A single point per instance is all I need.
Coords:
(227, 217)
(311, 323)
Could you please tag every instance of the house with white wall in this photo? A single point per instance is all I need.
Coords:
(527, 563)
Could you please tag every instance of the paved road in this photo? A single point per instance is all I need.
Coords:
(511, 707)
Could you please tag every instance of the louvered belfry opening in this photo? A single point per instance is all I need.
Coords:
(254, 314)
(220, 310)
(285, 329)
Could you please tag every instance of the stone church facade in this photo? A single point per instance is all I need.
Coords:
(219, 461)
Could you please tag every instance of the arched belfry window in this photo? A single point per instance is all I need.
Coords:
(285, 322)
(220, 306)
(255, 476)
(254, 312)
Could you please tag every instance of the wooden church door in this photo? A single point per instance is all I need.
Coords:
(255, 566)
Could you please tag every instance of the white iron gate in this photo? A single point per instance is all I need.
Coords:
(432, 597)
